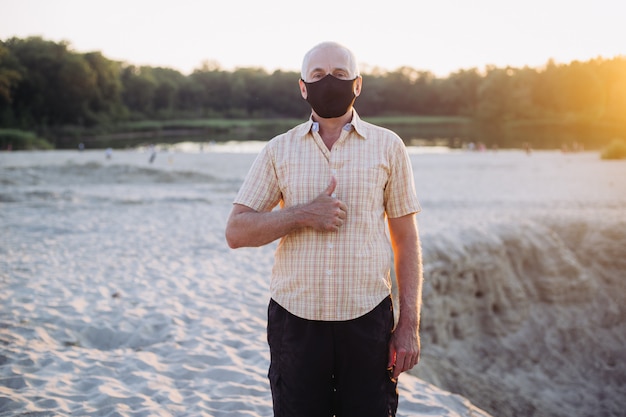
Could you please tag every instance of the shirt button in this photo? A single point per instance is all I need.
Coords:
(330, 246)
(329, 272)
(333, 171)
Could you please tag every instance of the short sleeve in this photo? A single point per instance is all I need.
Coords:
(260, 190)
(400, 197)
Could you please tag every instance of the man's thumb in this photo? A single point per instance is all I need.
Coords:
(329, 191)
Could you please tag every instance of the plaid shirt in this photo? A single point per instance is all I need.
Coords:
(334, 275)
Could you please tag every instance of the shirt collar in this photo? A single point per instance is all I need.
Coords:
(356, 123)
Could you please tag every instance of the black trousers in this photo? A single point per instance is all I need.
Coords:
(331, 368)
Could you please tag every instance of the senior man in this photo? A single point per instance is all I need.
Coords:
(339, 181)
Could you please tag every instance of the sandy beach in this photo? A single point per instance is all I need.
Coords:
(120, 297)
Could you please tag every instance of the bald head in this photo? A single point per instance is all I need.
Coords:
(330, 58)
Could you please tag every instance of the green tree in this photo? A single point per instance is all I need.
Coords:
(505, 94)
(75, 88)
(138, 90)
(582, 90)
(613, 78)
(106, 100)
(57, 85)
(169, 82)
(282, 96)
(458, 94)
(10, 76)
(213, 88)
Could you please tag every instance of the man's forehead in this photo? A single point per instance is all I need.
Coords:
(328, 68)
(328, 59)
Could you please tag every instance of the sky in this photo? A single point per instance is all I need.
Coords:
(440, 36)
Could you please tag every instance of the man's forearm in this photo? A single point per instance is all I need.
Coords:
(409, 279)
(408, 267)
(249, 228)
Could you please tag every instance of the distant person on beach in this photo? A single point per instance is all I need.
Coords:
(152, 153)
(337, 179)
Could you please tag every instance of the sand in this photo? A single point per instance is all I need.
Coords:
(119, 296)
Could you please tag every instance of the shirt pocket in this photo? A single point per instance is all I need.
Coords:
(301, 182)
(363, 188)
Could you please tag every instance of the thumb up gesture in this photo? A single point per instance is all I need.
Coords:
(326, 213)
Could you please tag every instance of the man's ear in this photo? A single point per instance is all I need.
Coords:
(302, 89)
(358, 85)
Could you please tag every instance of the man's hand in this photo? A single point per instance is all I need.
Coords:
(326, 213)
(248, 228)
(404, 350)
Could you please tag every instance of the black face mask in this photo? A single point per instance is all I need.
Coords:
(330, 97)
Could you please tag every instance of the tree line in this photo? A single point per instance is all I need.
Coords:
(45, 84)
